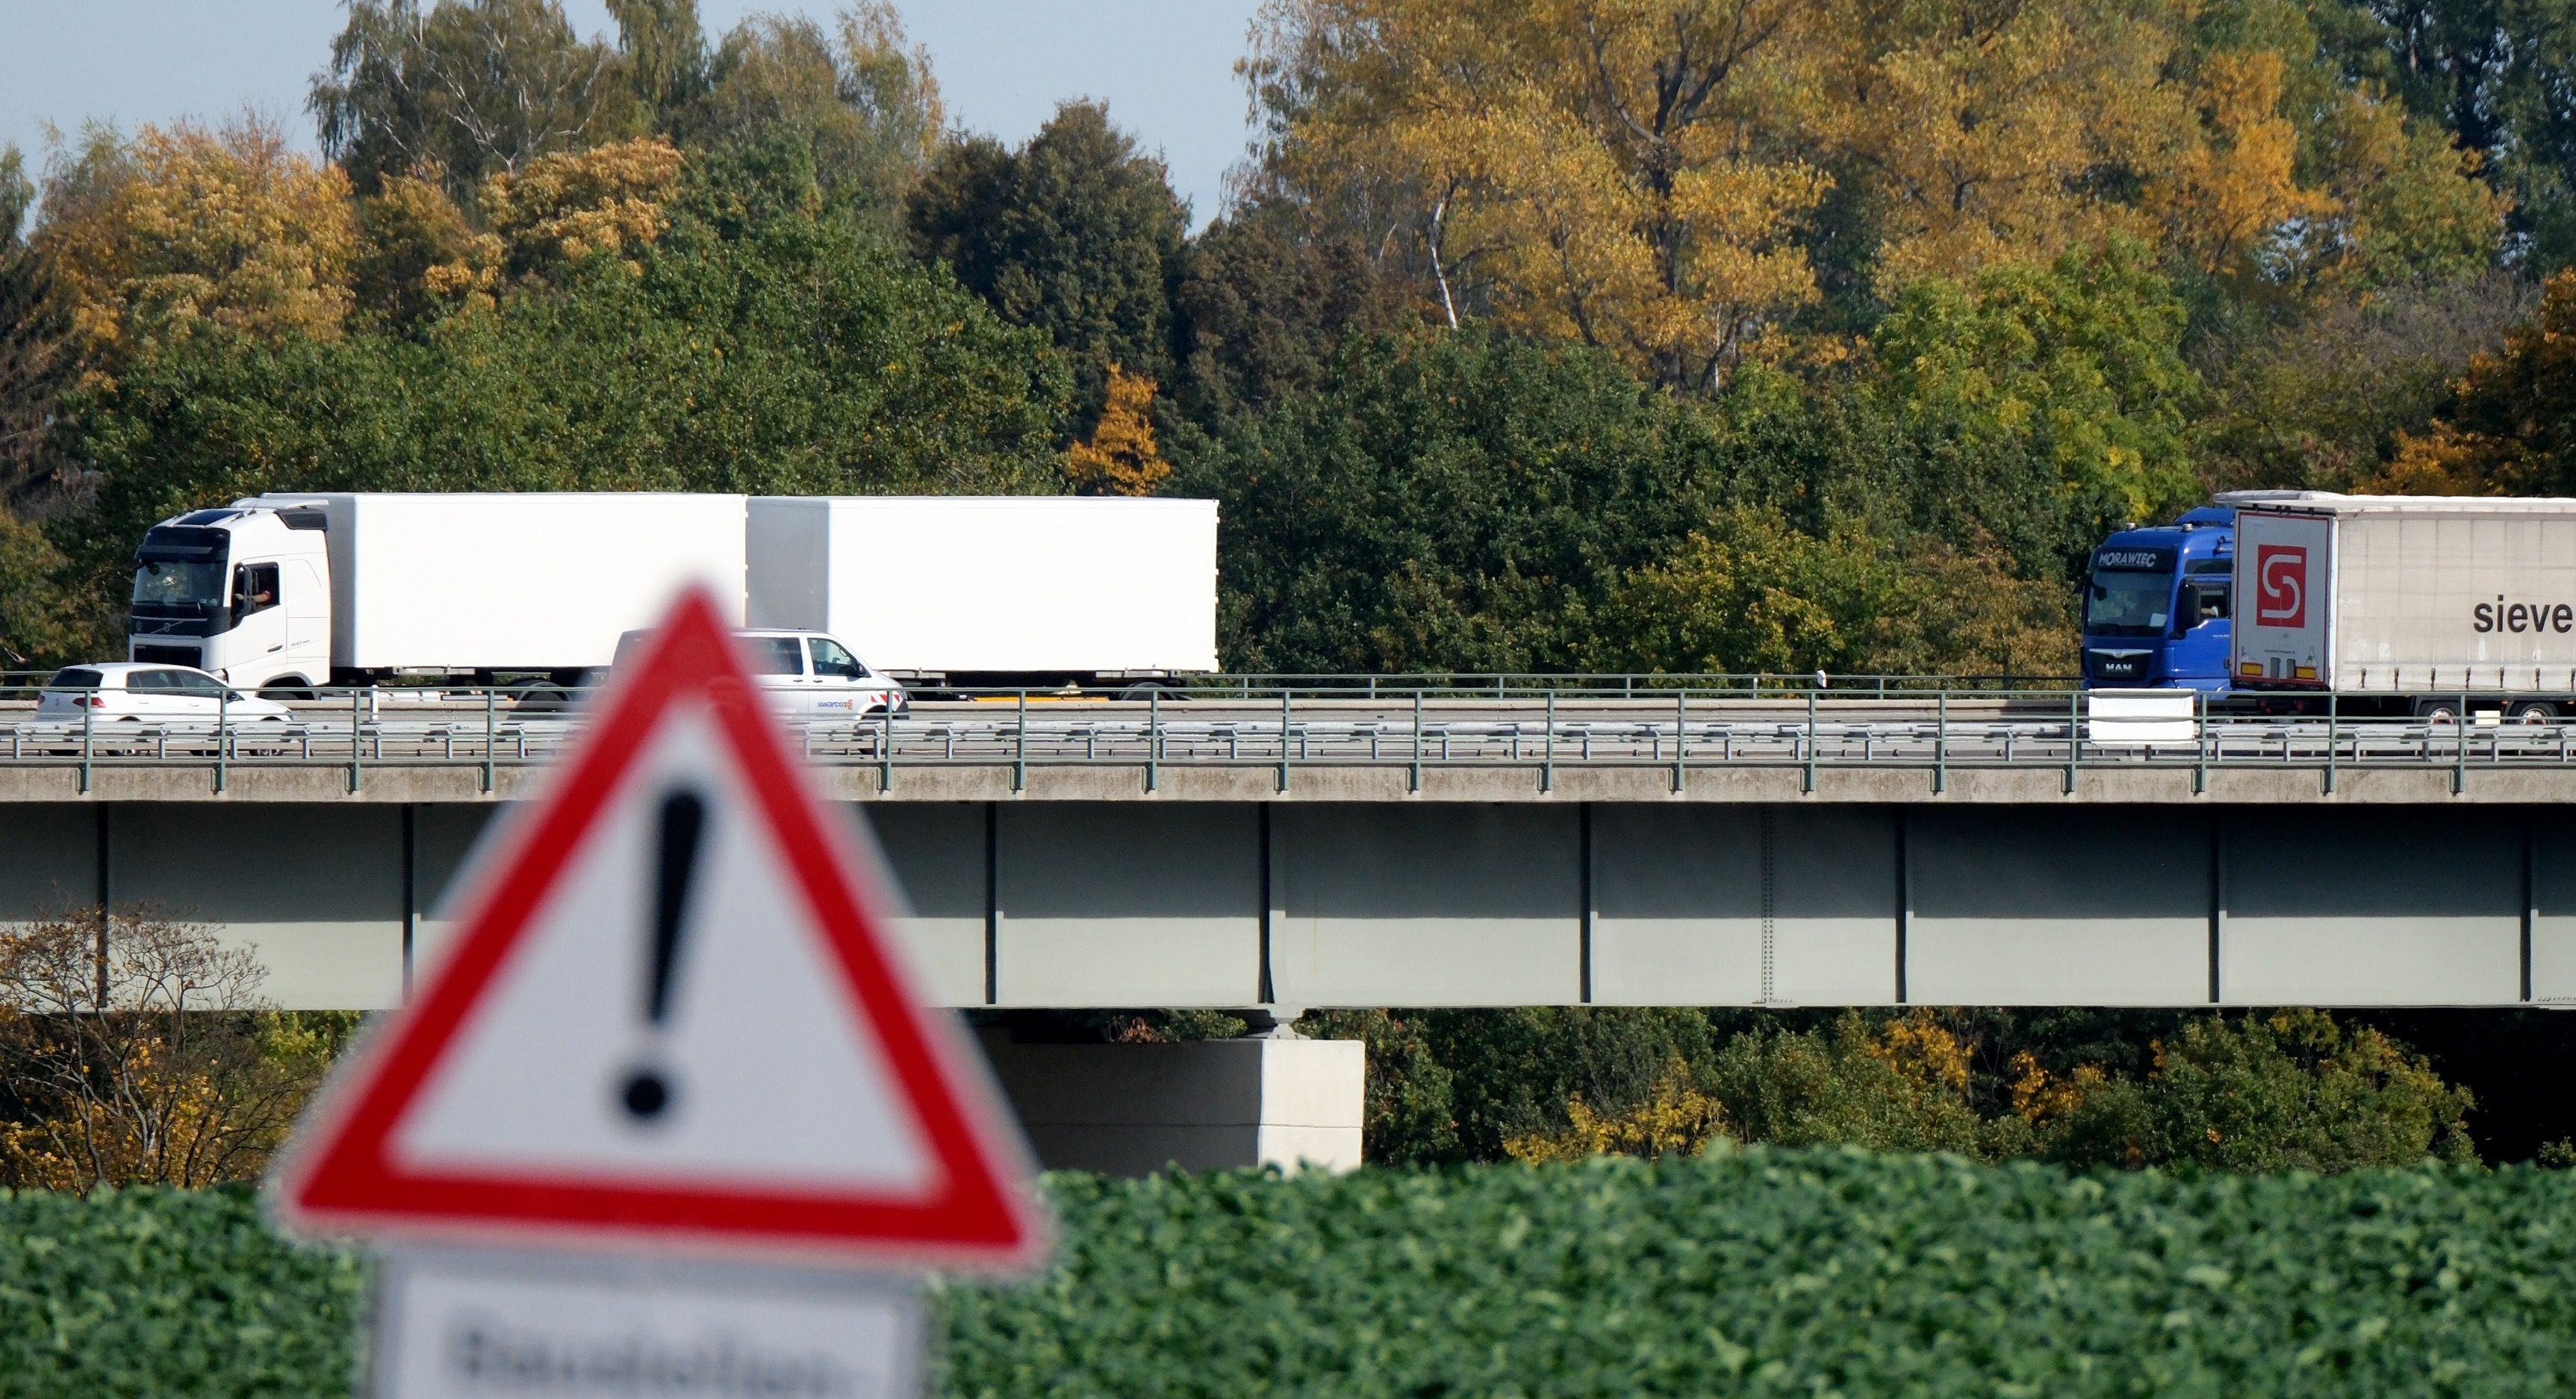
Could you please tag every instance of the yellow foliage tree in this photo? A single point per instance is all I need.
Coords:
(1676, 1120)
(1120, 458)
(606, 200)
(1598, 170)
(1648, 175)
(185, 224)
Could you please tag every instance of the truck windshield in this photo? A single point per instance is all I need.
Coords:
(2125, 603)
(170, 583)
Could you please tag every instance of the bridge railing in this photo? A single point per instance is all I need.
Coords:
(1293, 725)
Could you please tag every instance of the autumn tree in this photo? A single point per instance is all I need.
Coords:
(184, 225)
(1076, 233)
(36, 353)
(465, 87)
(1120, 457)
(2512, 428)
(136, 1049)
(664, 49)
(1680, 180)
(1612, 173)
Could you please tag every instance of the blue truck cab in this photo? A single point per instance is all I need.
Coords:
(2155, 604)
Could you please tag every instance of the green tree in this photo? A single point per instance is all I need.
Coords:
(1077, 233)
(866, 105)
(1261, 306)
(1749, 593)
(665, 52)
(2293, 1090)
(2500, 76)
(466, 88)
(1447, 502)
(2323, 398)
(2079, 362)
(798, 356)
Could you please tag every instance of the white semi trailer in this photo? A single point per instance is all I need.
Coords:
(994, 590)
(284, 593)
(2412, 603)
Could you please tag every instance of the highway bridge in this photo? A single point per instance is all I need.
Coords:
(1447, 847)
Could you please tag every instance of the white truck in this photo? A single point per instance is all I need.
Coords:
(2412, 603)
(283, 593)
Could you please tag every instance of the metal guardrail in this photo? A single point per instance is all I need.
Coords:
(1284, 731)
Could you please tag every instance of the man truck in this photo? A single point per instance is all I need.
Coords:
(2399, 604)
(283, 593)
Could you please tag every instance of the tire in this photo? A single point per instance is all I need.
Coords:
(2532, 712)
(1144, 690)
(2438, 711)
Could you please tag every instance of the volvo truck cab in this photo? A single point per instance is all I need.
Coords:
(242, 592)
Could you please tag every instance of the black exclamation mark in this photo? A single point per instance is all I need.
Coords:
(684, 819)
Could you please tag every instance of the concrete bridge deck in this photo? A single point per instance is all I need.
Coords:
(1451, 852)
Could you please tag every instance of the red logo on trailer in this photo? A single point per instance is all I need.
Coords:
(2281, 585)
(671, 1018)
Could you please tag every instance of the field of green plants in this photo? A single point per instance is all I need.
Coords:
(1756, 1272)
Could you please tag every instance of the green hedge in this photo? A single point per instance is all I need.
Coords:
(1761, 1273)
(166, 1292)
(1792, 1273)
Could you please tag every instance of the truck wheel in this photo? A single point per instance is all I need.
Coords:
(2533, 712)
(1144, 690)
(2439, 711)
(286, 692)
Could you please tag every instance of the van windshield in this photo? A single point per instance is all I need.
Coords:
(171, 583)
(2124, 603)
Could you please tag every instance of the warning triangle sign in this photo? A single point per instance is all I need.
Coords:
(672, 1016)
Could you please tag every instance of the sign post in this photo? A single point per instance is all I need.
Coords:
(668, 1117)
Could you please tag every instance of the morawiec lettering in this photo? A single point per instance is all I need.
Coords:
(490, 1356)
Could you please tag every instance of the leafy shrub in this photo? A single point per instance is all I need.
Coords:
(1765, 1272)
(159, 1292)
(1754, 1272)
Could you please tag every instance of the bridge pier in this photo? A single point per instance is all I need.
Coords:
(1133, 1109)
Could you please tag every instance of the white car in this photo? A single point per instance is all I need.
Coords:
(808, 675)
(131, 693)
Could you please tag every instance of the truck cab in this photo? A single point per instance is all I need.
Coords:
(243, 592)
(2156, 604)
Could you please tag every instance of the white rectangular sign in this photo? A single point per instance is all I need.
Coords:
(2141, 718)
(462, 1324)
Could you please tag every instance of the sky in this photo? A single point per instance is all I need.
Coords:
(1165, 67)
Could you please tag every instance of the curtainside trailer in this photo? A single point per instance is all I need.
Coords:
(2421, 604)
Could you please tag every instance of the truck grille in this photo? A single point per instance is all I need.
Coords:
(169, 655)
(2116, 665)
